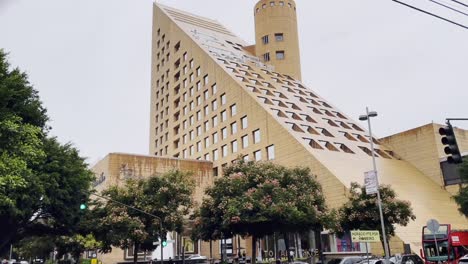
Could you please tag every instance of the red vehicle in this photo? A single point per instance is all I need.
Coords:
(446, 246)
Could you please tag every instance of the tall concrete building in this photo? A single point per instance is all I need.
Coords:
(215, 97)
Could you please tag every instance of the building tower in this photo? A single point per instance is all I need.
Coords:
(276, 36)
(212, 100)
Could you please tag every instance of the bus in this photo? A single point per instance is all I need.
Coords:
(445, 246)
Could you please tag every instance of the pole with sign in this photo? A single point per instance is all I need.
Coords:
(365, 236)
(434, 226)
(371, 182)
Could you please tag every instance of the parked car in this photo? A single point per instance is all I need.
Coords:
(345, 260)
(410, 259)
(463, 260)
(198, 257)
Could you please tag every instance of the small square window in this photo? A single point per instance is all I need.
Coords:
(233, 128)
(258, 155)
(214, 120)
(266, 56)
(280, 55)
(271, 152)
(244, 122)
(265, 39)
(224, 149)
(224, 133)
(207, 142)
(279, 37)
(234, 146)
(214, 89)
(207, 156)
(215, 137)
(215, 155)
(223, 99)
(223, 116)
(245, 141)
(205, 80)
(256, 136)
(233, 110)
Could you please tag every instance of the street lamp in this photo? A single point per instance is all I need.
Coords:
(367, 117)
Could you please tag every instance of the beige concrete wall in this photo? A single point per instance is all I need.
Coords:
(115, 168)
(422, 147)
(419, 147)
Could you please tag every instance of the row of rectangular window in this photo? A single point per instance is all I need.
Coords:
(214, 136)
(278, 37)
(214, 155)
(280, 55)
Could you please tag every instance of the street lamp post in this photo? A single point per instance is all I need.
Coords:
(367, 117)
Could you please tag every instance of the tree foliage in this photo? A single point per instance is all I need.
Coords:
(169, 197)
(362, 212)
(259, 198)
(41, 180)
(462, 197)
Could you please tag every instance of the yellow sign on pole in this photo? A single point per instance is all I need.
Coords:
(94, 261)
(365, 236)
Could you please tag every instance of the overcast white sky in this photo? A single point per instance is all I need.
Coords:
(90, 61)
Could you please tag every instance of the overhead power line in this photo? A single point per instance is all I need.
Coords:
(449, 7)
(458, 2)
(431, 14)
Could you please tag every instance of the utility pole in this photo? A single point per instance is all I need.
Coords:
(11, 251)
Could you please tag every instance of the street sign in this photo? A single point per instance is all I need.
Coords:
(365, 236)
(371, 182)
(433, 225)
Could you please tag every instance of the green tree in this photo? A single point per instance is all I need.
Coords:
(361, 211)
(40, 179)
(462, 197)
(258, 198)
(168, 197)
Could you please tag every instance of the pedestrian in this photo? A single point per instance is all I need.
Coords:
(278, 261)
(291, 255)
(170, 261)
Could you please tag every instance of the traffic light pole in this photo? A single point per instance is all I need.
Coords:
(143, 212)
(456, 119)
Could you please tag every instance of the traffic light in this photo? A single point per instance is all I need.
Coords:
(164, 243)
(83, 198)
(450, 142)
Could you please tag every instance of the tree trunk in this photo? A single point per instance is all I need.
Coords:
(211, 251)
(286, 243)
(238, 247)
(275, 245)
(254, 250)
(136, 246)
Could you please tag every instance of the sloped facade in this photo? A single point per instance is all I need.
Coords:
(212, 99)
